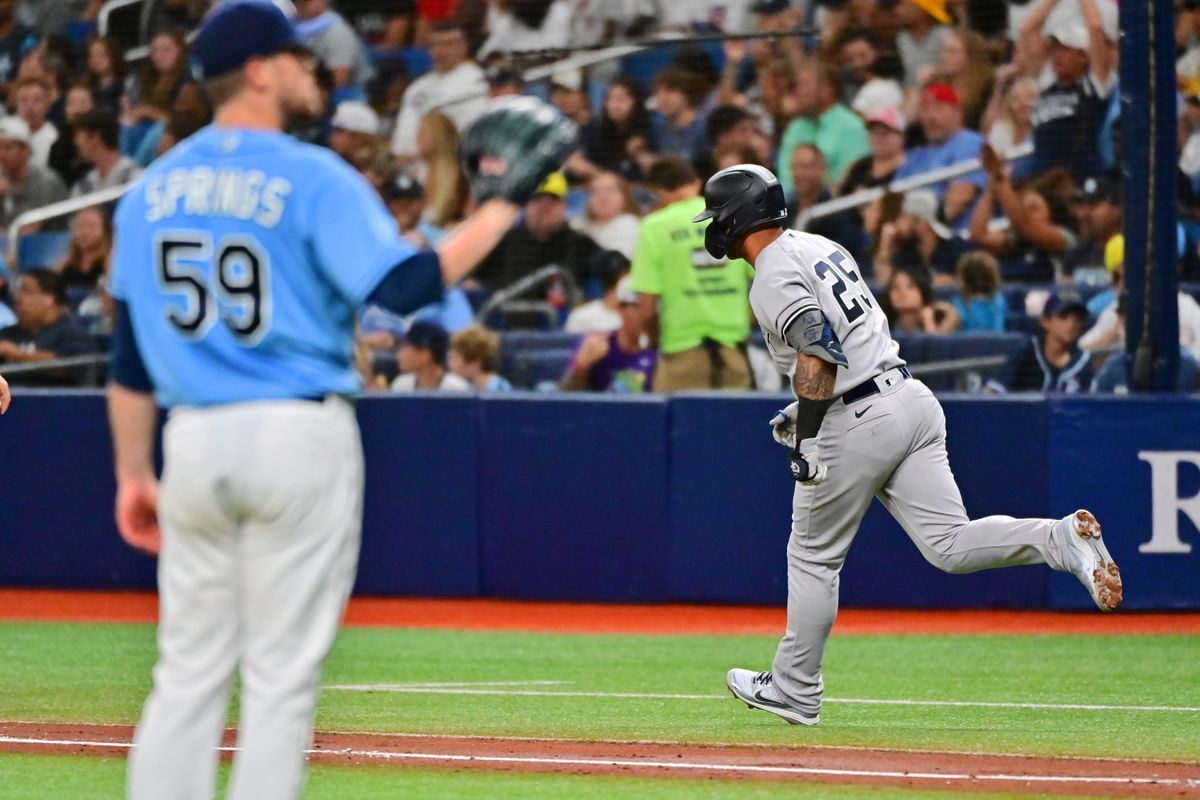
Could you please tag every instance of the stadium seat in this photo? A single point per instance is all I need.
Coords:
(43, 250)
(528, 358)
(922, 349)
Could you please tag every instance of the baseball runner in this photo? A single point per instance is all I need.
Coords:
(240, 260)
(861, 427)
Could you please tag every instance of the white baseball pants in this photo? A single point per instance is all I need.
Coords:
(890, 445)
(261, 512)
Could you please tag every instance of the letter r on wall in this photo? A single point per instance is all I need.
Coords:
(1166, 502)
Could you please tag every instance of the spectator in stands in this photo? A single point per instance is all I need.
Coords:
(23, 186)
(980, 305)
(1041, 224)
(438, 168)
(455, 85)
(179, 127)
(502, 79)
(191, 100)
(151, 95)
(516, 26)
(1100, 219)
(823, 121)
(474, 355)
(422, 360)
(948, 142)
(1109, 332)
(885, 135)
(1071, 109)
(7, 317)
(1114, 264)
(1008, 119)
(917, 241)
(615, 361)
(966, 66)
(105, 73)
(97, 136)
(910, 307)
(64, 158)
(568, 93)
(542, 239)
(33, 103)
(87, 256)
(810, 183)
(678, 125)
(1054, 362)
(924, 30)
(601, 315)
(337, 47)
(353, 127)
(696, 308)
(610, 217)
(405, 198)
(621, 138)
(1113, 376)
(856, 60)
(15, 41)
(43, 330)
(732, 128)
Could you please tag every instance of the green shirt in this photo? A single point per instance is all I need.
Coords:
(839, 134)
(699, 296)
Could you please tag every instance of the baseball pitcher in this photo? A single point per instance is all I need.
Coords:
(241, 258)
(861, 427)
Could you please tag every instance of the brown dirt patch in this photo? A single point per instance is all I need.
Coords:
(951, 772)
(37, 604)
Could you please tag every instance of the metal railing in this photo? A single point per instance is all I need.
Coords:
(62, 208)
(865, 196)
(954, 365)
(73, 362)
(505, 300)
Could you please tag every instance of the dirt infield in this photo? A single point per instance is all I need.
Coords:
(951, 772)
(32, 604)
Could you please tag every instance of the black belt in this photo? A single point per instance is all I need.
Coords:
(868, 388)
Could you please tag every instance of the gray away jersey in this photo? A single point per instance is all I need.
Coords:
(801, 271)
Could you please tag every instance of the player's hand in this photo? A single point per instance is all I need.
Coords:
(783, 425)
(806, 469)
(137, 513)
(5, 395)
(510, 150)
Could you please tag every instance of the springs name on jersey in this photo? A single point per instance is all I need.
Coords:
(249, 195)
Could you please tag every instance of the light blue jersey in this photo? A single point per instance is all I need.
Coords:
(243, 256)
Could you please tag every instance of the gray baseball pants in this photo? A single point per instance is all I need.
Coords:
(895, 451)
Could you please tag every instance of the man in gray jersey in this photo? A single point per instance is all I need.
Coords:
(861, 427)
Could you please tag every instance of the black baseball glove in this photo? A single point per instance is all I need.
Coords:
(509, 150)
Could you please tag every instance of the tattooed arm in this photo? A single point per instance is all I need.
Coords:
(813, 384)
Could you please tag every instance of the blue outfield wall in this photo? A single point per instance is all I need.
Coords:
(648, 499)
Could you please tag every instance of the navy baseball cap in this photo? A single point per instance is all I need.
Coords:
(233, 33)
(428, 336)
(1063, 301)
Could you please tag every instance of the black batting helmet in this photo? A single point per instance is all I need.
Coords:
(739, 200)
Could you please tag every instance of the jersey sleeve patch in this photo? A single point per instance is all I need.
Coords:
(808, 331)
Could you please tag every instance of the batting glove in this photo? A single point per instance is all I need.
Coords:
(806, 469)
(783, 426)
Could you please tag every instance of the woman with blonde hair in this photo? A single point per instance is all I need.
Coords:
(1014, 124)
(610, 218)
(967, 65)
(87, 255)
(438, 171)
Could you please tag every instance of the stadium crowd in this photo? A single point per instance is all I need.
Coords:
(605, 256)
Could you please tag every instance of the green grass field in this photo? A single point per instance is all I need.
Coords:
(100, 673)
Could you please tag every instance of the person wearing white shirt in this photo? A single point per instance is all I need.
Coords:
(33, 104)
(609, 219)
(515, 32)
(455, 86)
(422, 360)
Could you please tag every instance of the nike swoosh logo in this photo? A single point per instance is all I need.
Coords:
(858, 414)
(768, 702)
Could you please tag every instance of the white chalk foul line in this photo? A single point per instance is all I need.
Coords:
(412, 688)
(666, 765)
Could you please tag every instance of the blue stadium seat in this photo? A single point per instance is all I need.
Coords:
(528, 358)
(42, 249)
(920, 349)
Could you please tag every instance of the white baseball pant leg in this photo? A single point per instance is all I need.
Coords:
(261, 510)
(896, 450)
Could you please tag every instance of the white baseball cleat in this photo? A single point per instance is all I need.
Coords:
(757, 690)
(1091, 563)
